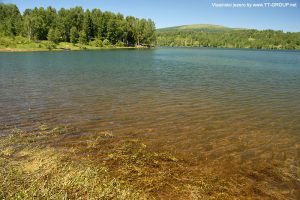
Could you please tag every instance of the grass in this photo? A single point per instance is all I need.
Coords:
(63, 163)
(15, 44)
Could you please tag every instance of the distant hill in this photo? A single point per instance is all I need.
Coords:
(208, 35)
(197, 27)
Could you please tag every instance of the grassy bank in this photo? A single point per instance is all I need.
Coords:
(21, 44)
(64, 163)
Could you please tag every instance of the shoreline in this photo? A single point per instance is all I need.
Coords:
(89, 48)
(228, 48)
(61, 49)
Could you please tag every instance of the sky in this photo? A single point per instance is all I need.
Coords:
(166, 13)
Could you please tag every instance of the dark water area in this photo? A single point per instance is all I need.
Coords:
(233, 109)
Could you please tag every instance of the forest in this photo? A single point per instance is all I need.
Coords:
(74, 25)
(48, 28)
(229, 38)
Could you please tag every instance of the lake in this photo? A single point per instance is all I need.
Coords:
(230, 108)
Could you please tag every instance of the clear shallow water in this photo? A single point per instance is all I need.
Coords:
(223, 105)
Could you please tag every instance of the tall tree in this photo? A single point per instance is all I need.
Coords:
(54, 35)
(149, 32)
(73, 35)
(75, 25)
(88, 25)
(97, 21)
(138, 30)
(82, 37)
(10, 20)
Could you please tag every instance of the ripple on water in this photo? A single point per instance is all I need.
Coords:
(233, 109)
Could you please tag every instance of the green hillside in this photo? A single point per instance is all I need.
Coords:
(196, 27)
(207, 35)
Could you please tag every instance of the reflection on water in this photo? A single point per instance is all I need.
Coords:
(232, 108)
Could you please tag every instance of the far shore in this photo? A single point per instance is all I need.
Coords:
(9, 49)
(21, 44)
(91, 48)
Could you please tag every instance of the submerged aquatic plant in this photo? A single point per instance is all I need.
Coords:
(60, 163)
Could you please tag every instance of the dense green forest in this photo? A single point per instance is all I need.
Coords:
(49, 27)
(75, 25)
(217, 36)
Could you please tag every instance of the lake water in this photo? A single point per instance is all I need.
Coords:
(226, 106)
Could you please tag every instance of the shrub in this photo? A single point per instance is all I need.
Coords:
(6, 42)
(96, 43)
(50, 45)
(106, 43)
(120, 44)
(21, 40)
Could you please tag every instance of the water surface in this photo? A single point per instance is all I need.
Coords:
(226, 106)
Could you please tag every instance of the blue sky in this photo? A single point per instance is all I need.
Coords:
(179, 12)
